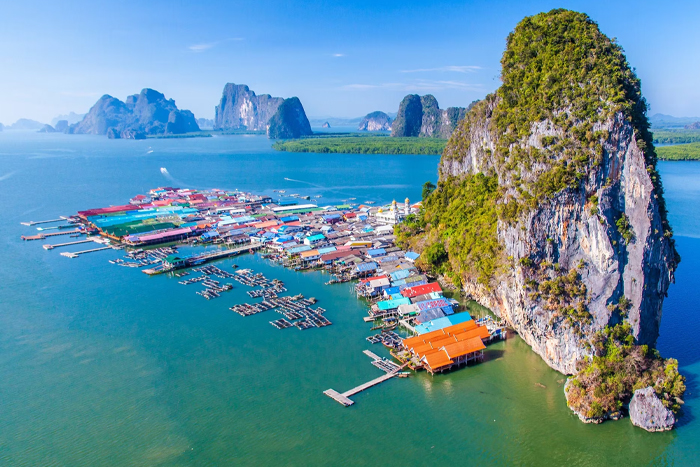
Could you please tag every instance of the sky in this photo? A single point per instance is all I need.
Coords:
(341, 58)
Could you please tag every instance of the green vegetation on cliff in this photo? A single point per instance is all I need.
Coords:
(608, 379)
(459, 218)
(680, 152)
(563, 76)
(363, 144)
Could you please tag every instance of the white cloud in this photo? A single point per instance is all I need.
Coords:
(80, 93)
(420, 85)
(197, 48)
(449, 68)
(338, 55)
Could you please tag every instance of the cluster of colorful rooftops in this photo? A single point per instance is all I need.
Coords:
(352, 242)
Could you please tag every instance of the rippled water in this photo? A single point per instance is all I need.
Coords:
(102, 365)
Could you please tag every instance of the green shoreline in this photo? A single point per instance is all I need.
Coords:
(352, 143)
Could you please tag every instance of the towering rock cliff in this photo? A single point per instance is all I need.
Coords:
(241, 109)
(375, 121)
(549, 208)
(421, 116)
(148, 112)
(289, 121)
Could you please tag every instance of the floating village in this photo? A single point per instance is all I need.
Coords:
(408, 313)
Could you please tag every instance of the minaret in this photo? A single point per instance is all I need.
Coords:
(406, 208)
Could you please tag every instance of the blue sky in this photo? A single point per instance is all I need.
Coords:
(341, 59)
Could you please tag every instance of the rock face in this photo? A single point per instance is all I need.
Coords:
(421, 116)
(579, 192)
(241, 109)
(26, 124)
(648, 412)
(693, 126)
(148, 112)
(375, 121)
(326, 125)
(205, 123)
(113, 133)
(289, 121)
(47, 129)
(71, 118)
(62, 126)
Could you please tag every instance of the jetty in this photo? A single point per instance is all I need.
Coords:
(43, 236)
(31, 223)
(68, 254)
(58, 245)
(390, 368)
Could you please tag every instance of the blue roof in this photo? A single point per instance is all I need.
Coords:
(440, 323)
(299, 249)
(289, 219)
(328, 249)
(330, 217)
(316, 238)
(365, 267)
(391, 304)
(376, 252)
(412, 255)
(400, 274)
(392, 290)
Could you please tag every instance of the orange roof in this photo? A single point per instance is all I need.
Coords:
(480, 331)
(264, 225)
(421, 349)
(437, 360)
(306, 254)
(440, 333)
(461, 348)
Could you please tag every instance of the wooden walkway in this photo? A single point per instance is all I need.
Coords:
(29, 224)
(57, 245)
(78, 253)
(42, 236)
(344, 398)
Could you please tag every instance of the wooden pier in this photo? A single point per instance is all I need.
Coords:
(43, 236)
(31, 223)
(344, 398)
(58, 245)
(78, 253)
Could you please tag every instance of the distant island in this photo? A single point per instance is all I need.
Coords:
(352, 143)
(375, 121)
(143, 114)
(241, 109)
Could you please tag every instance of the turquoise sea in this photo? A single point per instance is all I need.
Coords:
(103, 366)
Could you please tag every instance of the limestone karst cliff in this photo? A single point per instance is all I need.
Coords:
(549, 208)
(148, 112)
(241, 109)
(375, 121)
(421, 116)
(289, 121)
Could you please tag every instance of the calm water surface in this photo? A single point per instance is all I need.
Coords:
(102, 365)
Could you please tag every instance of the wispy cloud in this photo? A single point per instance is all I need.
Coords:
(80, 93)
(420, 85)
(338, 55)
(197, 48)
(449, 68)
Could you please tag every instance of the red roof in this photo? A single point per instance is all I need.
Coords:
(109, 210)
(421, 289)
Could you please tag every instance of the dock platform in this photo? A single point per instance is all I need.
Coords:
(78, 253)
(344, 398)
(31, 223)
(58, 245)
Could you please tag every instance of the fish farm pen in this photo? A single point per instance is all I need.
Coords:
(408, 312)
